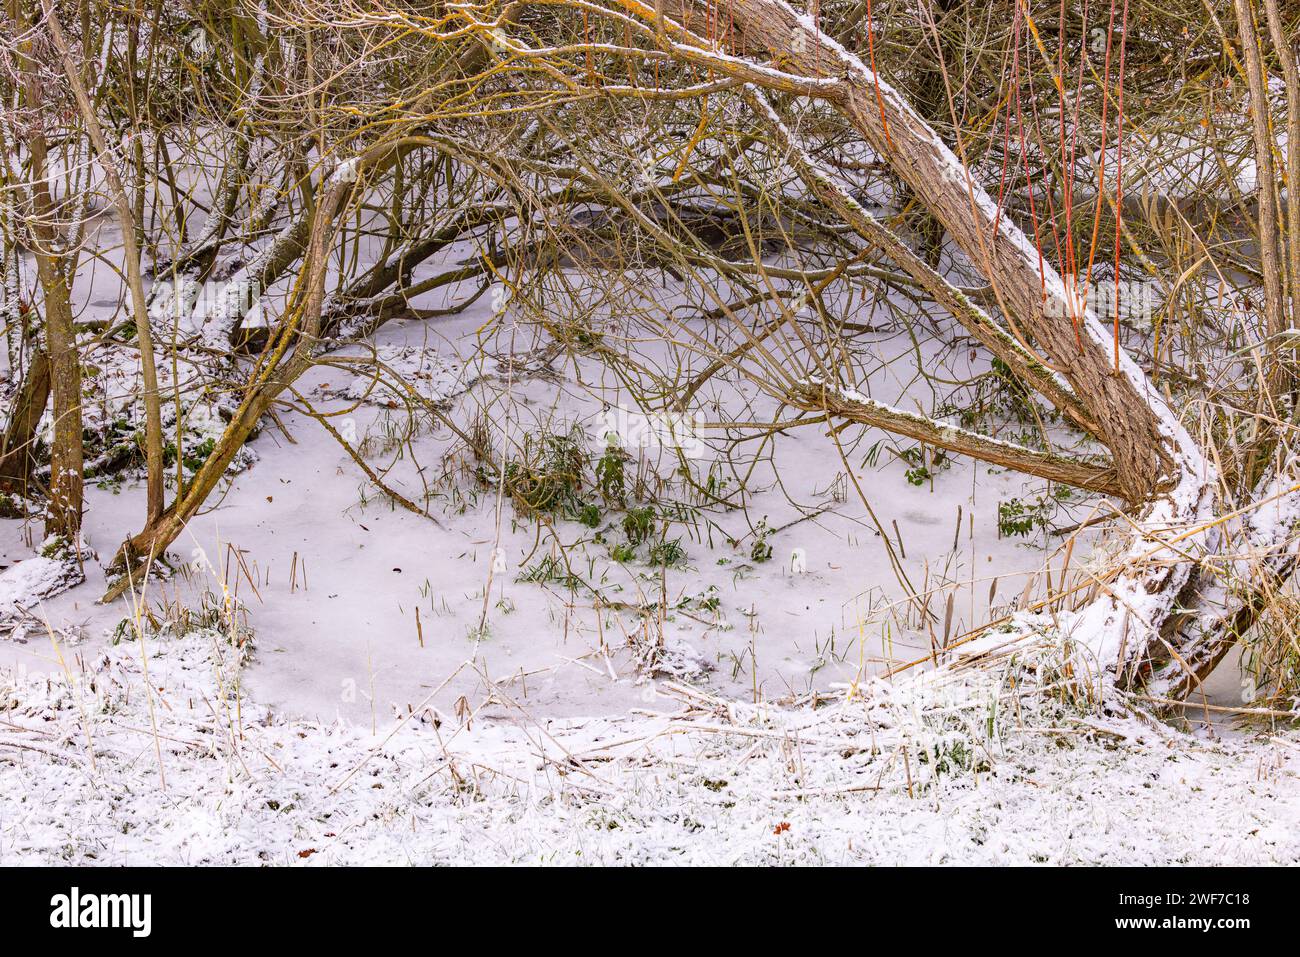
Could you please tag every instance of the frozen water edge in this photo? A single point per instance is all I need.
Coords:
(239, 785)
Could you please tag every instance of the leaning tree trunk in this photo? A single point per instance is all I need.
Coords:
(289, 353)
(1156, 462)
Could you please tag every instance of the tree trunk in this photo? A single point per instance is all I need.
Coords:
(1156, 462)
(66, 455)
(63, 516)
(18, 447)
(153, 442)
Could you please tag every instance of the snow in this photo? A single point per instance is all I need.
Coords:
(435, 377)
(24, 585)
(345, 172)
(98, 766)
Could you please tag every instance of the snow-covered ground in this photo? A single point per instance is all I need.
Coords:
(101, 764)
(428, 689)
(333, 572)
(346, 736)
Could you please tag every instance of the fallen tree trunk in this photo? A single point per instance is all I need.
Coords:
(820, 397)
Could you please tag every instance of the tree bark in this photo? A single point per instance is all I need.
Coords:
(63, 515)
(819, 397)
(1130, 414)
(18, 447)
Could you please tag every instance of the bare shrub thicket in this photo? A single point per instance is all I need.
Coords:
(1077, 215)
